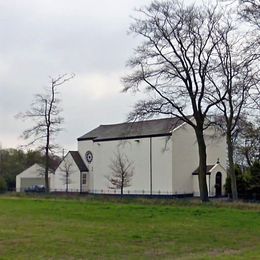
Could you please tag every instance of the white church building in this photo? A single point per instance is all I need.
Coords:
(163, 153)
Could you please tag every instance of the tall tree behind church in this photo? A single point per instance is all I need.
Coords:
(172, 63)
(239, 76)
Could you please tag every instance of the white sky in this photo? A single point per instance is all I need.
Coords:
(42, 38)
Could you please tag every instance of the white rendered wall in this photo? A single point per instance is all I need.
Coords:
(138, 152)
(196, 189)
(162, 164)
(185, 159)
(186, 156)
(59, 180)
(83, 147)
(216, 147)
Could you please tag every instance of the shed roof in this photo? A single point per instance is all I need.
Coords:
(148, 128)
(209, 168)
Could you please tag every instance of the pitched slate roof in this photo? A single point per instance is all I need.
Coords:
(79, 162)
(148, 128)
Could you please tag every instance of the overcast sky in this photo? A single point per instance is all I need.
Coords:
(46, 38)
(42, 38)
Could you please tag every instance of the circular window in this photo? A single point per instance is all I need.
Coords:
(89, 156)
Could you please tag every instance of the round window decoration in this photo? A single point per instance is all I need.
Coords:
(89, 156)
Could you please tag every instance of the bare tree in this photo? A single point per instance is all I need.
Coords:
(172, 64)
(67, 170)
(247, 145)
(122, 171)
(237, 75)
(46, 116)
(249, 10)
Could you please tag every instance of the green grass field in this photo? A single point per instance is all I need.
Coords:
(38, 228)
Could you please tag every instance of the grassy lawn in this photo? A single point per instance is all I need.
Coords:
(35, 228)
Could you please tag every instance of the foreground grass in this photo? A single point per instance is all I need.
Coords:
(95, 229)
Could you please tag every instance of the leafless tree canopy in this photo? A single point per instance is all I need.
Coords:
(174, 59)
(175, 65)
(247, 145)
(122, 171)
(45, 113)
(238, 74)
(250, 11)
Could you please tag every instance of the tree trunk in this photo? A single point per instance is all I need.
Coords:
(46, 172)
(47, 160)
(231, 170)
(248, 157)
(202, 165)
(67, 182)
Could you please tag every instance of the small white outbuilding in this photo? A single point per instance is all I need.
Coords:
(33, 175)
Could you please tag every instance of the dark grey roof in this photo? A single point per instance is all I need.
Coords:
(148, 128)
(209, 167)
(78, 160)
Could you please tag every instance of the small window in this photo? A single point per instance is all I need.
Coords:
(84, 178)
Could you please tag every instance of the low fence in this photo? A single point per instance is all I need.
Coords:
(252, 197)
(115, 193)
(125, 192)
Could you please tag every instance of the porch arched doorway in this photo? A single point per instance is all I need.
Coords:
(218, 184)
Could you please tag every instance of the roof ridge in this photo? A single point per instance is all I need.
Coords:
(136, 129)
(133, 122)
